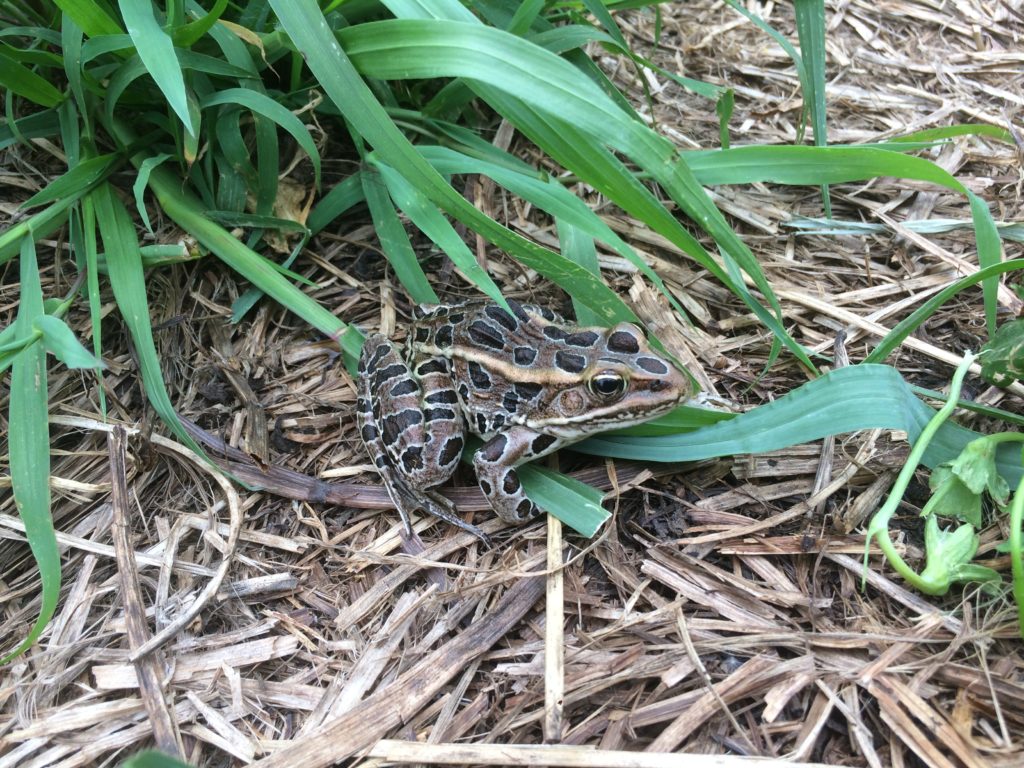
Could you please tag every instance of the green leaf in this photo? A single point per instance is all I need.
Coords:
(19, 79)
(60, 341)
(845, 400)
(76, 182)
(124, 265)
(29, 447)
(312, 36)
(89, 16)
(153, 759)
(574, 503)
(190, 34)
(833, 165)
(434, 225)
(188, 213)
(335, 203)
(156, 50)
(1002, 358)
(1015, 518)
(948, 558)
(976, 468)
(262, 104)
(905, 327)
(393, 239)
(951, 498)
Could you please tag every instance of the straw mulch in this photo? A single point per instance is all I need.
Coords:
(721, 612)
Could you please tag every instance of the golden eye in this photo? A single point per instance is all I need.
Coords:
(607, 385)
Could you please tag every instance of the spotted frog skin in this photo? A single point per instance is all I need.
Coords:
(526, 382)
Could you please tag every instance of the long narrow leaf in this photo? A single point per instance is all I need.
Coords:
(156, 50)
(124, 266)
(434, 225)
(29, 447)
(393, 239)
(845, 400)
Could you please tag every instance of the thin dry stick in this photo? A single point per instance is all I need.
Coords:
(554, 637)
(396, 703)
(558, 756)
(165, 729)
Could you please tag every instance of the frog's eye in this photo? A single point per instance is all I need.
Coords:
(607, 385)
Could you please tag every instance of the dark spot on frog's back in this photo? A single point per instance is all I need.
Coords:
(623, 341)
(492, 451)
(404, 387)
(510, 401)
(527, 390)
(432, 366)
(554, 332)
(501, 317)
(652, 365)
(412, 458)
(442, 397)
(582, 339)
(443, 337)
(541, 443)
(481, 423)
(570, 361)
(439, 414)
(394, 425)
(524, 355)
(422, 334)
(382, 376)
(477, 375)
(486, 335)
(451, 451)
(526, 509)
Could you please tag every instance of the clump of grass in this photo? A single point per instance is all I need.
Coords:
(198, 102)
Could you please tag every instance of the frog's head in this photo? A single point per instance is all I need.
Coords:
(616, 381)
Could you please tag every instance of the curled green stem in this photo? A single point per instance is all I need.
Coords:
(878, 529)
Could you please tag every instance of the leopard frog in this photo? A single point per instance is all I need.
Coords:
(525, 381)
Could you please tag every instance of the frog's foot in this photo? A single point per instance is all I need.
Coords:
(495, 465)
(407, 499)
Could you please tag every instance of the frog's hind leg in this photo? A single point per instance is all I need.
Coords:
(413, 439)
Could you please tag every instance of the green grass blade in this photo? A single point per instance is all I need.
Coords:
(190, 34)
(61, 342)
(845, 400)
(263, 105)
(576, 504)
(578, 246)
(335, 203)
(37, 226)
(28, 441)
(434, 225)
(20, 80)
(124, 266)
(910, 324)
(834, 165)
(35, 126)
(496, 63)
(188, 213)
(393, 239)
(156, 50)
(810, 28)
(76, 182)
(90, 16)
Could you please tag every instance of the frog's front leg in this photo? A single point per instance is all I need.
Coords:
(495, 464)
(411, 429)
